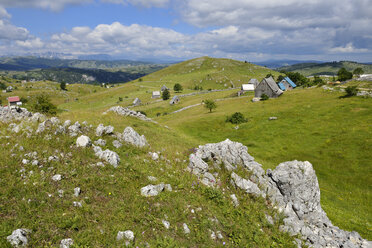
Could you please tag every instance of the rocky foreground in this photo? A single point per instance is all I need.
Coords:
(292, 187)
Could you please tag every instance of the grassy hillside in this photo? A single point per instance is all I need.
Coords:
(315, 125)
(208, 73)
(329, 68)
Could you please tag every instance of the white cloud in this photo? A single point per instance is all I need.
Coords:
(348, 48)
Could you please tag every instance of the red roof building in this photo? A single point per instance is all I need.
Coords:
(14, 100)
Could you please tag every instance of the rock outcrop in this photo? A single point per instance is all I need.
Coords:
(107, 155)
(101, 130)
(18, 238)
(9, 114)
(292, 187)
(132, 137)
(128, 112)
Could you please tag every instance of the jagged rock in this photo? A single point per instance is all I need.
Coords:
(234, 200)
(77, 191)
(100, 142)
(292, 188)
(154, 156)
(67, 123)
(208, 179)
(128, 235)
(117, 144)
(166, 224)
(9, 114)
(37, 117)
(152, 190)
(102, 130)
(57, 178)
(19, 238)
(107, 155)
(66, 243)
(83, 141)
(127, 112)
(55, 121)
(269, 219)
(186, 229)
(74, 129)
(132, 137)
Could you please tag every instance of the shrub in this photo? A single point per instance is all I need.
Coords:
(43, 105)
(210, 104)
(2, 86)
(177, 87)
(236, 118)
(23, 100)
(62, 85)
(264, 97)
(120, 99)
(351, 91)
(344, 75)
(165, 95)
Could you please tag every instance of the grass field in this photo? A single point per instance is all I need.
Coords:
(332, 133)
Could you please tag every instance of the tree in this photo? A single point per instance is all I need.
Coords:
(344, 74)
(351, 91)
(280, 78)
(63, 85)
(210, 104)
(358, 71)
(2, 86)
(236, 118)
(165, 95)
(270, 75)
(42, 104)
(177, 87)
(318, 81)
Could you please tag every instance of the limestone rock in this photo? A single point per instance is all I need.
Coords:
(57, 178)
(244, 184)
(19, 238)
(100, 142)
(74, 129)
(77, 191)
(66, 243)
(127, 112)
(107, 155)
(83, 141)
(117, 144)
(152, 190)
(186, 229)
(132, 137)
(102, 130)
(166, 224)
(234, 200)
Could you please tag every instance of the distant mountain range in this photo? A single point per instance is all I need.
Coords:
(273, 64)
(327, 68)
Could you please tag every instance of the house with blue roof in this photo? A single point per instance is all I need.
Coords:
(287, 84)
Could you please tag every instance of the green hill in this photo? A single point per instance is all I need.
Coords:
(329, 68)
(313, 125)
(208, 73)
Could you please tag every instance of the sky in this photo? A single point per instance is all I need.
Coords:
(325, 30)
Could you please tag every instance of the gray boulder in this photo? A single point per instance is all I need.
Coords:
(66, 243)
(100, 142)
(102, 130)
(132, 137)
(83, 141)
(117, 144)
(107, 155)
(74, 129)
(152, 190)
(18, 238)
(246, 185)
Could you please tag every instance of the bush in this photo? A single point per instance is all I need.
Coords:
(236, 118)
(63, 86)
(23, 100)
(43, 105)
(351, 91)
(2, 86)
(264, 97)
(177, 87)
(165, 95)
(120, 99)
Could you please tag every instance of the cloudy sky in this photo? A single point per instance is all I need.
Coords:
(181, 29)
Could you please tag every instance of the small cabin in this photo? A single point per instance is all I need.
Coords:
(14, 101)
(247, 87)
(288, 84)
(136, 102)
(156, 94)
(268, 87)
(174, 100)
(164, 88)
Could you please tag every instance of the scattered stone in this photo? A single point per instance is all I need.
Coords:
(35, 162)
(186, 229)
(166, 224)
(154, 156)
(57, 178)
(128, 235)
(66, 243)
(74, 129)
(132, 137)
(234, 200)
(102, 130)
(18, 238)
(152, 190)
(269, 219)
(273, 118)
(60, 193)
(152, 179)
(107, 155)
(213, 235)
(117, 144)
(168, 187)
(77, 204)
(53, 158)
(77, 191)
(219, 235)
(127, 112)
(100, 142)
(256, 99)
(25, 161)
(83, 141)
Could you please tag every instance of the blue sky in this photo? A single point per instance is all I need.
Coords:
(176, 30)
